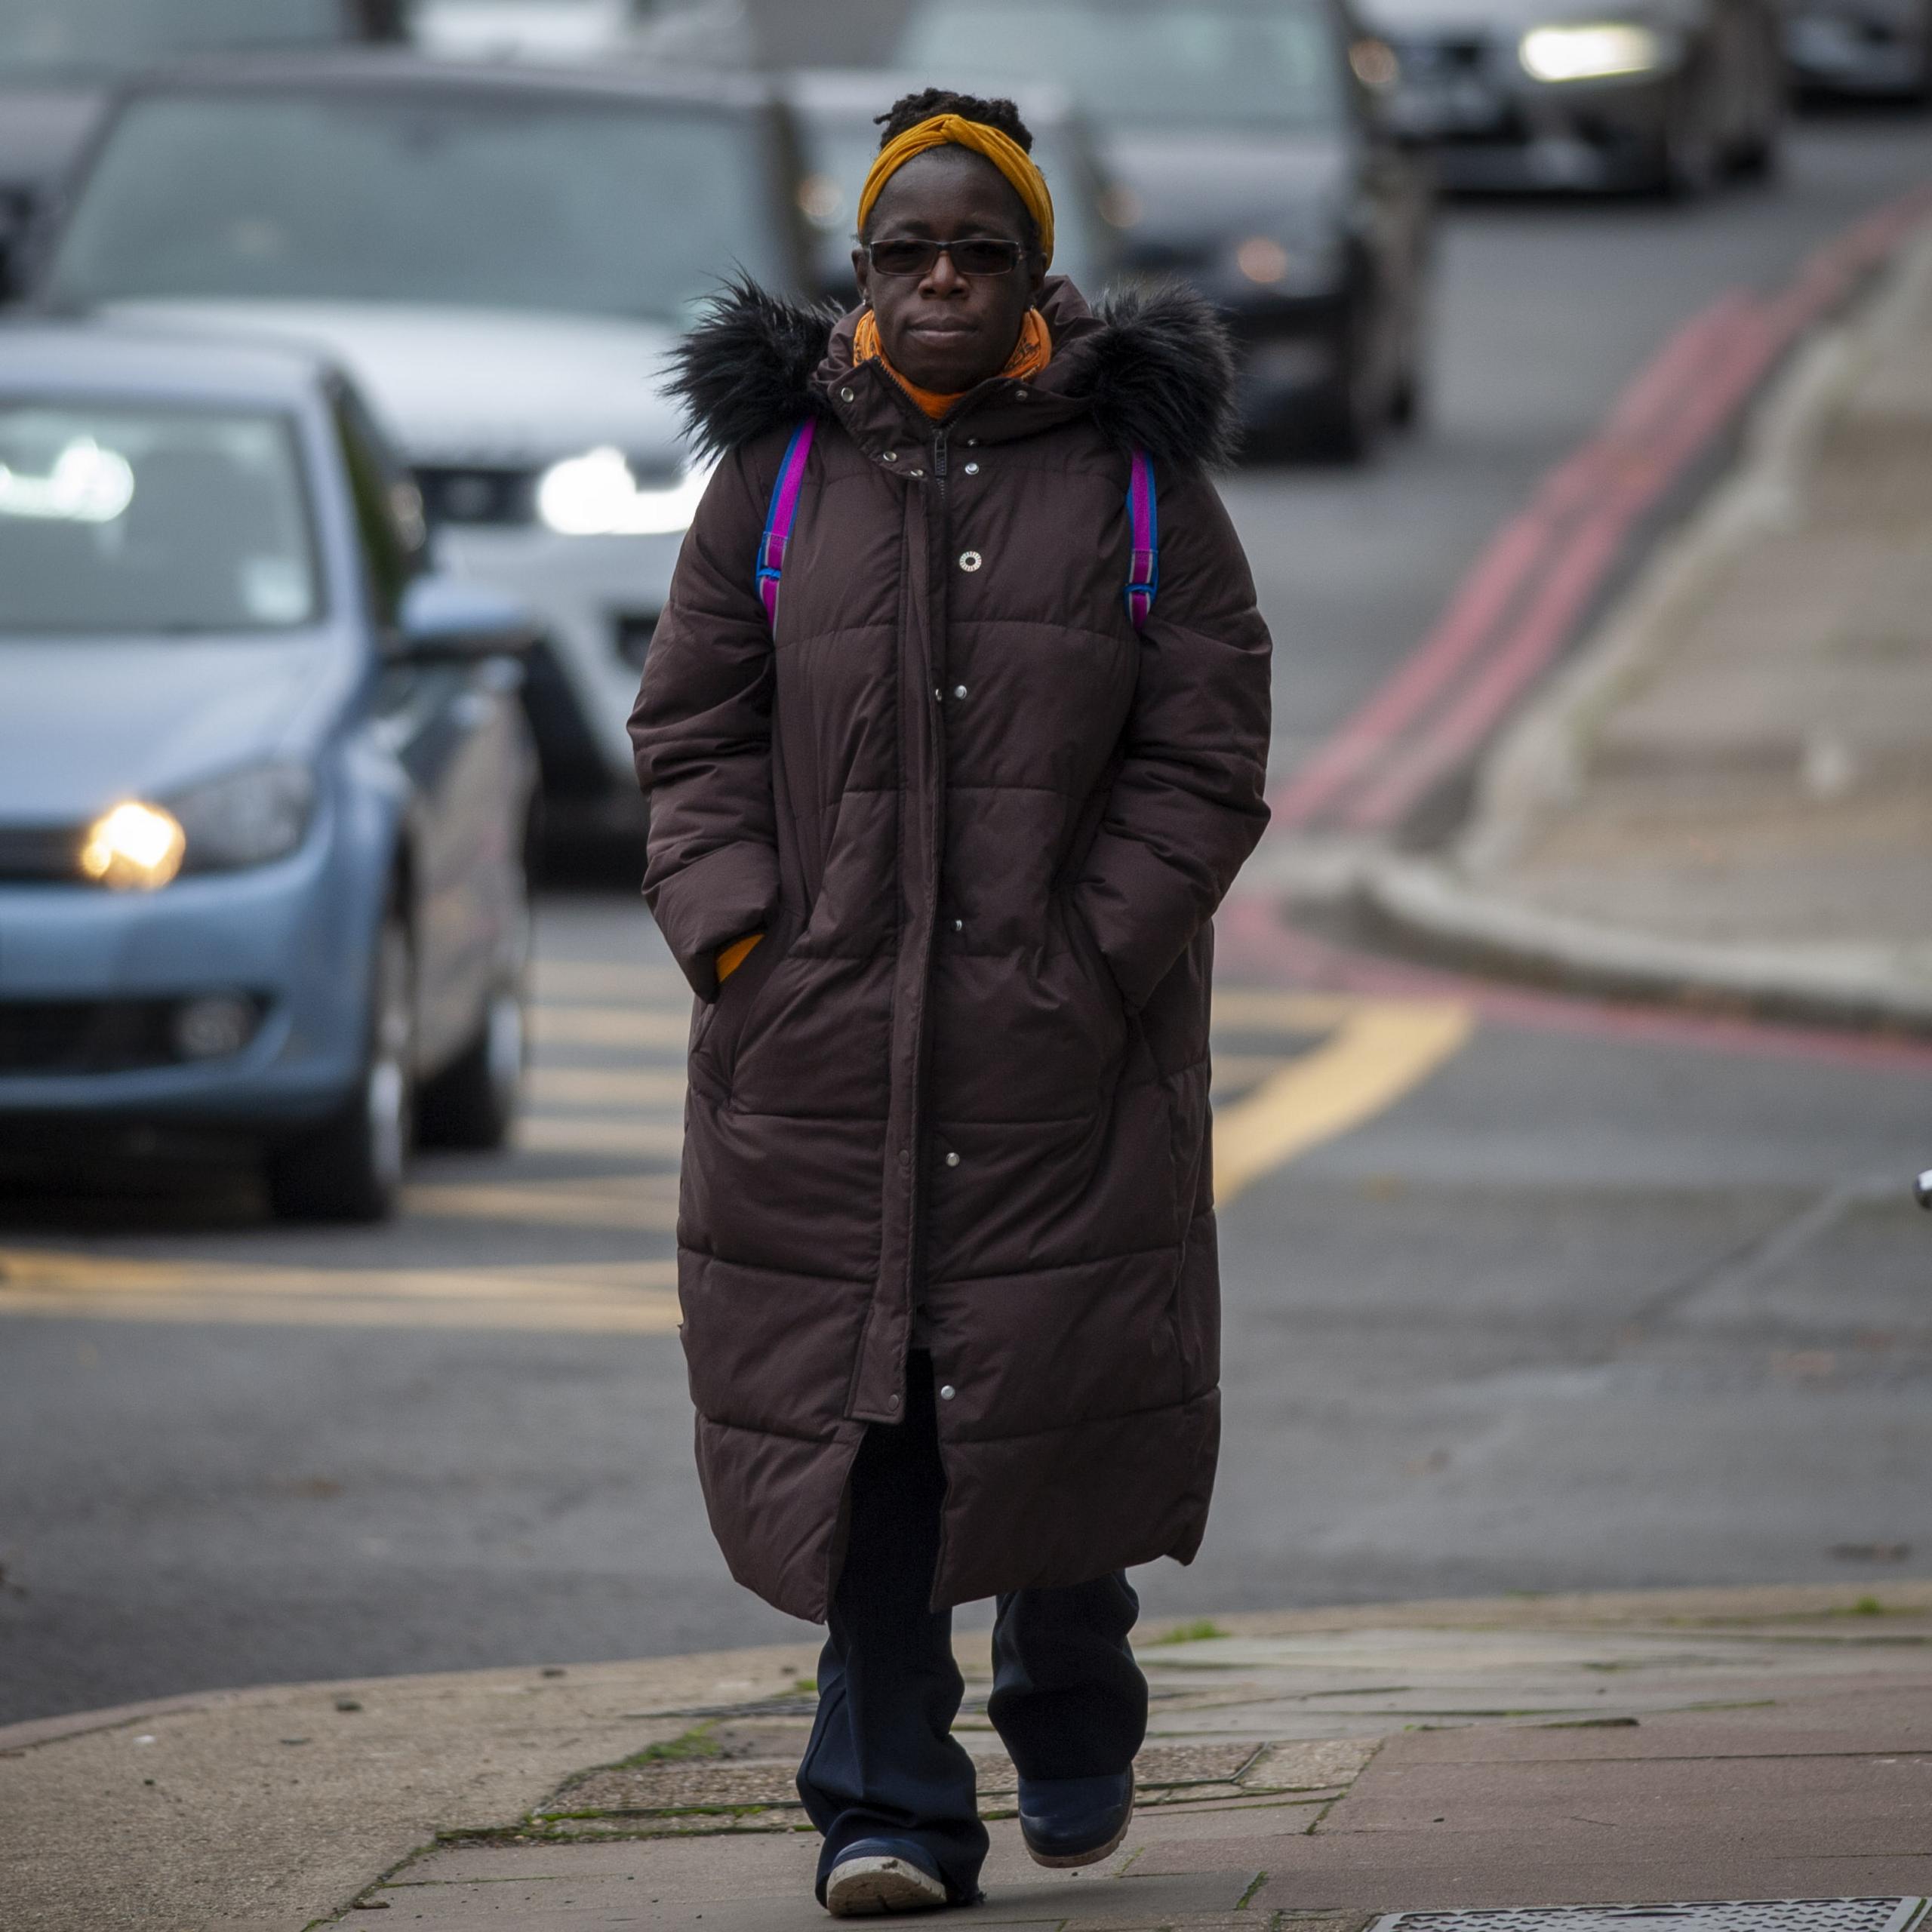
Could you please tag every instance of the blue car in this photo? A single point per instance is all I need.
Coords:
(265, 789)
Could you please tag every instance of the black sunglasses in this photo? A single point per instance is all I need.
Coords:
(978, 255)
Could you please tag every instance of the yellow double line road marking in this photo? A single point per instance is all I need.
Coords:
(631, 1298)
(646, 1202)
(1378, 1051)
(623, 1026)
(1369, 1055)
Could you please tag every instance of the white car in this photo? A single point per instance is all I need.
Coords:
(714, 32)
(503, 258)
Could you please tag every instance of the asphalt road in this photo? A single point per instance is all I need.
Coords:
(1570, 1306)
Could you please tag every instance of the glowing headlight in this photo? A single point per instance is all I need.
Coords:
(1261, 259)
(596, 495)
(86, 485)
(134, 848)
(248, 818)
(1591, 53)
(1303, 261)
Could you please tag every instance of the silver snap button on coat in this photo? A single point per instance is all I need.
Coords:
(952, 1160)
(959, 690)
(845, 395)
(971, 560)
(890, 455)
(972, 469)
(947, 1393)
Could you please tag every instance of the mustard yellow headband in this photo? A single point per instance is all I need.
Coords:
(955, 131)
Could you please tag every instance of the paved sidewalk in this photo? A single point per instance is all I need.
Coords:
(1313, 1768)
(1730, 793)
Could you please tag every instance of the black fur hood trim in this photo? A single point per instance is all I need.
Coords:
(1163, 376)
(747, 367)
(1156, 366)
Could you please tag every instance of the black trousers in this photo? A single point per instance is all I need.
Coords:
(1068, 1699)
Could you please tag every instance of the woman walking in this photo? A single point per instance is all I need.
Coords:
(953, 751)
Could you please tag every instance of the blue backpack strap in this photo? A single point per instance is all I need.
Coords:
(782, 515)
(1143, 516)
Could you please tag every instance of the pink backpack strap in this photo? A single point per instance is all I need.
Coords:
(782, 515)
(1143, 514)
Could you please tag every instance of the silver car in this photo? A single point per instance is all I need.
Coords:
(1662, 95)
(504, 259)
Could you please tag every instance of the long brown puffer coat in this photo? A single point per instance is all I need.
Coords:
(957, 1098)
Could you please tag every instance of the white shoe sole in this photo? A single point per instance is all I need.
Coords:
(1092, 1857)
(865, 1887)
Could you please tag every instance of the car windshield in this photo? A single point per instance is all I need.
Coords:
(116, 521)
(1183, 63)
(53, 37)
(485, 200)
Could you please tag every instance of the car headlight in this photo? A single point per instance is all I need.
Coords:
(1300, 262)
(597, 495)
(133, 847)
(248, 818)
(1596, 51)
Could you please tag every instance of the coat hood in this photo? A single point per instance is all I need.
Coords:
(1155, 369)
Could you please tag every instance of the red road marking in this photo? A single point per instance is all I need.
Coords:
(1252, 938)
(1544, 566)
(1710, 394)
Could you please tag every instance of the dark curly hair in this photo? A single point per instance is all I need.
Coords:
(910, 109)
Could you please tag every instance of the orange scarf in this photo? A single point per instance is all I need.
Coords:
(1034, 352)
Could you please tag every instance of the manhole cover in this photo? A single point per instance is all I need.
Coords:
(1745, 1916)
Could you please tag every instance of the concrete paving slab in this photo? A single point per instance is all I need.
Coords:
(1821, 1805)
(1496, 1871)
(665, 1882)
(290, 1803)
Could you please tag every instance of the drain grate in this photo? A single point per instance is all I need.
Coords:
(1736, 1915)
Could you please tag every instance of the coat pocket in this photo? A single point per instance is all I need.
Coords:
(721, 1028)
(1086, 949)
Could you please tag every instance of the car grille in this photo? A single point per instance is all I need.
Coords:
(1435, 59)
(93, 1036)
(39, 855)
(84, 1036)
(478, 496)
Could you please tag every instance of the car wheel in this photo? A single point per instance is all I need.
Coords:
(1408, 399)
(1687, 157)
(351, 1168)
(473, 1102)
(1346, 414)
(1918, 90)
(1755, 153)
(1409, 404)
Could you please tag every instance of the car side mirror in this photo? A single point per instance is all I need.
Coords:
(445, 620)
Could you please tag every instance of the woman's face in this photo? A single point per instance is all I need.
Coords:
(943, 331)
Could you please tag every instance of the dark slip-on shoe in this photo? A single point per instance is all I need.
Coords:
(1067, 1822)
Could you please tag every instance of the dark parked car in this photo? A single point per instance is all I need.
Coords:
(60, 60)
(265, 787)
(1878, 49)
(1253, 160)
(1661, 96)
(836, 113)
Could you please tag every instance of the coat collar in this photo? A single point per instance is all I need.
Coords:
(1155, 370)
